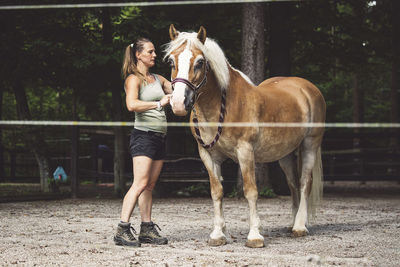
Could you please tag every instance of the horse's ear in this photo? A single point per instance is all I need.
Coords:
(173, 33)
(202, 34)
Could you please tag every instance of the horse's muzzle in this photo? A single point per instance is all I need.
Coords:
(178, 106)
(183, 102)
(189, 99)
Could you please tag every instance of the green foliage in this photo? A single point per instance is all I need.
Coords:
(55, 185)
(64, 51)
(234, 193)
(267, 192)
(196, 190)
(87, 183)
(264, 192)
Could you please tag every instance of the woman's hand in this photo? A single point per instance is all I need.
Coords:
(165, 100)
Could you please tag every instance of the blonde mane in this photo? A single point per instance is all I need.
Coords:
(211, 50)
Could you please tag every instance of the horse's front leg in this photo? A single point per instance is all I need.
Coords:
(217, 237)
(245, 156)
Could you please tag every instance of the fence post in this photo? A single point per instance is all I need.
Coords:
(74, 161)
(12, 164)
(2, 169)
(358, 160)
(332, 168)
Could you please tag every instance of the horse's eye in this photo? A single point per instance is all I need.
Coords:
(199, 64)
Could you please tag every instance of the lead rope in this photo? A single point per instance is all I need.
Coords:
(221, 120)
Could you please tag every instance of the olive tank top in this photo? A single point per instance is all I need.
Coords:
(152, 92)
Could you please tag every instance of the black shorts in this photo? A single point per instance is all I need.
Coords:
(149, 144)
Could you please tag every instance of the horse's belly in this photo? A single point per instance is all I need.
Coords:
(265, 150)
(274, 147)
(272, 153)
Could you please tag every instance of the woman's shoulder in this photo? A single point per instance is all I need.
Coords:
(132, 81)
(132, 77)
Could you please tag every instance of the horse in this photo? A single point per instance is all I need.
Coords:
(212, 90)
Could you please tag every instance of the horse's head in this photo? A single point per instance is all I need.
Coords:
(188, 68)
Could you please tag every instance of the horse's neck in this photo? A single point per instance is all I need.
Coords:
(209, 101)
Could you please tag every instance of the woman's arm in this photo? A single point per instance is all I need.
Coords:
(166, 85)
(132, 87)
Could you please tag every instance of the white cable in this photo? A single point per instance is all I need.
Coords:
(138, 4)
(202, 124)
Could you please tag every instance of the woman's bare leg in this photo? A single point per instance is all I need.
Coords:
(146, 198)
(142, 166)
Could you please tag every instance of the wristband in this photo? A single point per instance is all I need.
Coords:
(158, 105)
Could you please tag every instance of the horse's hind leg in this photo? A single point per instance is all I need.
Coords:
(217, 237)
(308, 151)
(289, 167)
(247, 167)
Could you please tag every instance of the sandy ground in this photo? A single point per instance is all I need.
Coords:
(352, 229)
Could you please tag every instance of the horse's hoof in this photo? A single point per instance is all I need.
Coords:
(299, 233)
(217, 242)
(255, 243)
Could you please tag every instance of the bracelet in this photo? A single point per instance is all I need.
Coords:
(158, 105)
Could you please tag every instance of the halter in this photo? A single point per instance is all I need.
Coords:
(195, 120)
(190, 84)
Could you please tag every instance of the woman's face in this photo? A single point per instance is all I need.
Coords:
(148, 55)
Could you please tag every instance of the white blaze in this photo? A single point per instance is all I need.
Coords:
(178, 96)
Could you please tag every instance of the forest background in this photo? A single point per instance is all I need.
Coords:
(64, 64)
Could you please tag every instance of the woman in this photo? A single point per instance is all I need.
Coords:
(146, 94)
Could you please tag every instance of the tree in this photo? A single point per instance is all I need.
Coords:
(253, 65)
(33, 137)
(253, 60)
(2, 172)
(279, 64)
(119, 140)
(395, 84)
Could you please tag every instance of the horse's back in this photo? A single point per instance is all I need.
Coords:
(300, 90)
(289, 84)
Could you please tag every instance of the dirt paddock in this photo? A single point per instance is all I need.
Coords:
(355, 227)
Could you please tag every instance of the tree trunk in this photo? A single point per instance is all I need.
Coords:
(2, 172)
(253, 62)
(253, 42)
(74, 161)
(358, 106)
(394, 95)
(74, 148)
(107, 34)
(119, 140)
(119, 163)
(119, 146)
(279, 65)
(358, 114)
(33, 139)
(279, 43)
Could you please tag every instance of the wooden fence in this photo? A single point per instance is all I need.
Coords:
(361, 156)
(347, 156)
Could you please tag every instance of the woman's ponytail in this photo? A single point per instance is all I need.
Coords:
(129, 65)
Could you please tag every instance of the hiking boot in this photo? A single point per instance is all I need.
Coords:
(149, 234)
(124, 236)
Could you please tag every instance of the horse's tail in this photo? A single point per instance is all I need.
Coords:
(315, 197)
